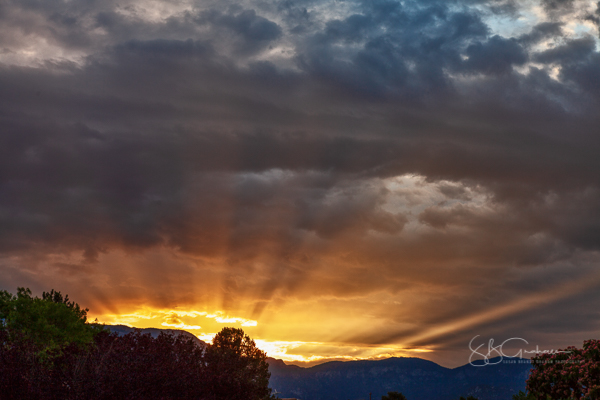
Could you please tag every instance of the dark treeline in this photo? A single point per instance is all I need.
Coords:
(48, 351)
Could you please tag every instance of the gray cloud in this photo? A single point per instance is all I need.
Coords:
(496, 56)
(595, 17)
(544, 30)
(573, 51)
(268, 134)
(551, 5)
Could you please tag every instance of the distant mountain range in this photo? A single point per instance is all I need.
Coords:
(416, 378)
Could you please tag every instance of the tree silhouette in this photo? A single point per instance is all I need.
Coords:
(237, 369)
(393, 396)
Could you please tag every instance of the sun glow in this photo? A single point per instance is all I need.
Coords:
(178, 319)
(304, 353)
(205, 326)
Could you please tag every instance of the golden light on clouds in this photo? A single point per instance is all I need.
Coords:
(357, 196)
(146, 317)
(526, 303)
(300, 352)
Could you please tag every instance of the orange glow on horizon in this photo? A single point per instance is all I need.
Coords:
(280, 344)
(295, 352)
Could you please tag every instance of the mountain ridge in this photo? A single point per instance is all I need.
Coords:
(122, 330)
(416, 378)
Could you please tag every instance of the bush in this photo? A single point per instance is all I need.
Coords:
(574, 374)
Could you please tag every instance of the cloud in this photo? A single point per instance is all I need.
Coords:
(594, 17)
(375, 164)
(551, 5)
(542, 31)
(571, 52)
(252, 32)
(496, 56)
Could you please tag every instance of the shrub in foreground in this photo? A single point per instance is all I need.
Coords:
(572, 374)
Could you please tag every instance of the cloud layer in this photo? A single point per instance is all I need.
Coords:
(364, 173)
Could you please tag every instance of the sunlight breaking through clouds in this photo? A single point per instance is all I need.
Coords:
(334, 177)
(174, 319)
(310, 353)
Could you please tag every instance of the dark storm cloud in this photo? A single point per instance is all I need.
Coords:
(127, 90)
(552, 5)
(574, 51)
(267, 132)
(496, 56)
(595, 17)
(253, 32)
(402, 52)
(544, 30)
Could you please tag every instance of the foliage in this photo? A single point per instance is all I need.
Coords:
(16, 367)
(572, 374)
(393, 396)
(49, 323)
(523, 396)
(238, 369)
(142, 367)
(133, 366)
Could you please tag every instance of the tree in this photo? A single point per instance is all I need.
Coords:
(15, 368)
(393, 396)
(523, 396)
(34, 333)
(570, 374)
(138, 366)
(236, 368)
(49, 323)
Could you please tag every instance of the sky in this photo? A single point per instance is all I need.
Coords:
(342, 179)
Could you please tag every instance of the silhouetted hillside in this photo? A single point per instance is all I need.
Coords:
(416, 378)
(154, 332)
